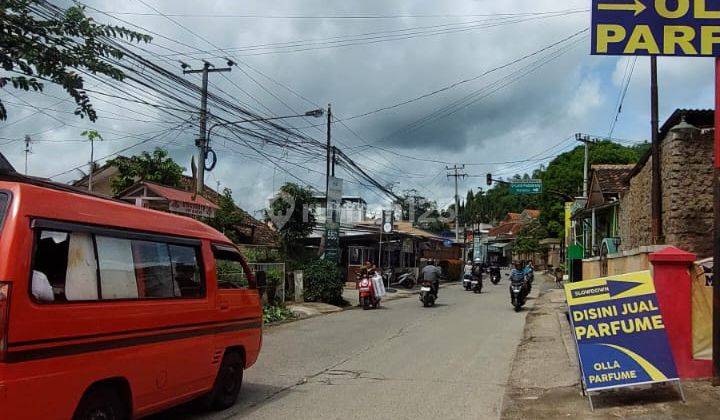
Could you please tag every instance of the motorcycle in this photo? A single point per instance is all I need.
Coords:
(518, 295)
(427, 294)
(467, 281)
(367, 294)
(407, 279)
(387, 276)
(529, 277)
(495, 274)
(477, 284)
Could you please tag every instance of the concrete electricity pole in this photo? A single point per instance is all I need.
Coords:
(328, 171)
(584, 138)
(456, 173)
(412, 207)
(201, 142)
(27, 151)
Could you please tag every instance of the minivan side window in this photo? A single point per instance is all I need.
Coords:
(229, 269)
(78, 266)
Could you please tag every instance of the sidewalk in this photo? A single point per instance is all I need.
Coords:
(545, 379)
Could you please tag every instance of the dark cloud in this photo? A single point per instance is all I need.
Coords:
(573, 93)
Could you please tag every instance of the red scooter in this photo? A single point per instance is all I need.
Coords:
(367, 294)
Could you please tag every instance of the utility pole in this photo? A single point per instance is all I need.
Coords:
(332, 162)
(27, 151)
(201, 143)
(716, 242)
(656, 190)
(412, 207)
(328, 172)
(584, 138)
(456, 173)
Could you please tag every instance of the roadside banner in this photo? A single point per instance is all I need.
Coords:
(619, 332)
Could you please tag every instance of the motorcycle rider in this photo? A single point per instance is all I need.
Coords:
(529, 267)
(432, 273)
(517, 275)
(468, 268)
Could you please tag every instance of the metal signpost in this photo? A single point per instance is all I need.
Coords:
(619, 333)
(687, 28)
(526, 186)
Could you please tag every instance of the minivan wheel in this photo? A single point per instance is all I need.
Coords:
(228, 382)
(101, 403)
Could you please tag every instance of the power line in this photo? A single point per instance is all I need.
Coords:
(354, 16)
(624, 86)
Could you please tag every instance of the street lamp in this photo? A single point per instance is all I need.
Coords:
(315, 113)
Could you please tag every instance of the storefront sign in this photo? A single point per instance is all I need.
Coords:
(656, 27)
(191, 209)
(619, 331)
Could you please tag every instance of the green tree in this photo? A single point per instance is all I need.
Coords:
(528, 239)
(563, 175)
(156, 167)
(41, 42)
(294, 199)
(227, 217)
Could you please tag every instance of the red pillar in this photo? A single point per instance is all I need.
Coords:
(673, 285)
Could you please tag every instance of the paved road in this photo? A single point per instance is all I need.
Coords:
(401, 362)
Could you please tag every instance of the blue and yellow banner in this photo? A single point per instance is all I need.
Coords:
(619, 331)
(656, 27)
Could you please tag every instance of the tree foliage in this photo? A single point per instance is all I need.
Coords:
(227, 217)
(323, 282)
(292, 199)
(528, 239)
(40, 42)
(564, 175)
(157, 167)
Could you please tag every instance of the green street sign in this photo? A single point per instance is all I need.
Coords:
(532, 186)
(332, 241)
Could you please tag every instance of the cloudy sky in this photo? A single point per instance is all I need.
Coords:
(527, 85)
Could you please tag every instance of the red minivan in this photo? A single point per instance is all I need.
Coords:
(110, 311)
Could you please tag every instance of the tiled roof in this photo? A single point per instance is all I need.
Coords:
(532, 213)
(174, 194)
(506, 229)
(260, 233)
(612, 178)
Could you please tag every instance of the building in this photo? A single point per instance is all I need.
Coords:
(172, 200)
(686, 168)
(686, 173)
(499, 241)
(251, 231)
(597, 221)
(353, 210)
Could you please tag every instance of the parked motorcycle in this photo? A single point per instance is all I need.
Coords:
(407, 279)
(367, 294)
(427, 294)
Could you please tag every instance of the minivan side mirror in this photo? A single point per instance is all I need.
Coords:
(261, 279)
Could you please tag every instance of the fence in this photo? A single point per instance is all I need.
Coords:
(275, 273)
